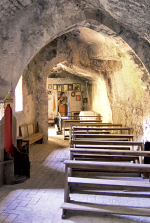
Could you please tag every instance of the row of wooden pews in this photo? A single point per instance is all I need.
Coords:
(68, 123)
(104, 149)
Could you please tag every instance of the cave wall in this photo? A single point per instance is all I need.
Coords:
(26, 32)
(114, 85)
(120, 96)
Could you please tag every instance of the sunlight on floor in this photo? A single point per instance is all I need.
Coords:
(51, 131)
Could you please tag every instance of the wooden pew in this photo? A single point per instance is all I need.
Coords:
(30, 133)
(107, 147)
(76, 122)
(132, 144)
(103, 142)
(80, 153)
(91, 132)
(110, 137)
(108, 152)
(109, 158)
(103, 136)
(104, 128)
(84, 184)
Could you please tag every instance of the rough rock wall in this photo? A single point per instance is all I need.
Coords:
(117, 91)
(37, 22)
(127, 106)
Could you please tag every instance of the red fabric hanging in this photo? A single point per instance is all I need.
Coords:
(8, 139)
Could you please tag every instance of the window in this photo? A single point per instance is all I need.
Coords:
(1, 109)
(18, 96)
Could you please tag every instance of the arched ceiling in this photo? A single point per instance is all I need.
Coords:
(9, 8)
(87, 53)
(28, 25)
(100, 50)
(138, 11)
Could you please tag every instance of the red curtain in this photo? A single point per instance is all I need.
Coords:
(8, 139)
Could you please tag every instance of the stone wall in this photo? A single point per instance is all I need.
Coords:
(120, 96)
(42, 21)
(117, 92)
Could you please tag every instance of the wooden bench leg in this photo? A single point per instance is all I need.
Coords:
(71, 156)
(66, 190)
(40, 141)
(63, 214)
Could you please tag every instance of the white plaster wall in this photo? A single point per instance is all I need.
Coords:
(73, 104)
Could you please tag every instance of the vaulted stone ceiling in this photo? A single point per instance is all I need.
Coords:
(28, 25)
(9, 8)
(136, 14)
(112, 70)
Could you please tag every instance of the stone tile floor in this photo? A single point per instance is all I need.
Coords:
(39, 198)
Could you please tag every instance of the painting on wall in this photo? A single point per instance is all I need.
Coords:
(73, 94)
(50, 86)
(77, 87)
(65, 87)
(70, 87)
(54, 86)
(59, 88)
(78, 97)
(49, 92)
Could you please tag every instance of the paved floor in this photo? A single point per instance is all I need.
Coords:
(39, 198)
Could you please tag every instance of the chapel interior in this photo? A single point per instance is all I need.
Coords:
(63, 59)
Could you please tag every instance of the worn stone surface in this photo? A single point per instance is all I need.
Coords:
(40, 21)
(105, 61)
(32, 25)
(38, 199)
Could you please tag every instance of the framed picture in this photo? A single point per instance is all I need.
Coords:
(59, 88)
(70, 87)
(49, 86)
(78, 97)
(77, 87)
(73, 94)
(54, 86)
(65, 87)
(49, 92)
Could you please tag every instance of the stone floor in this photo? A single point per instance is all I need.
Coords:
(39, 198)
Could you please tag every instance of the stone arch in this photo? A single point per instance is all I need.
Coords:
(47, 61)
(41, 26)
